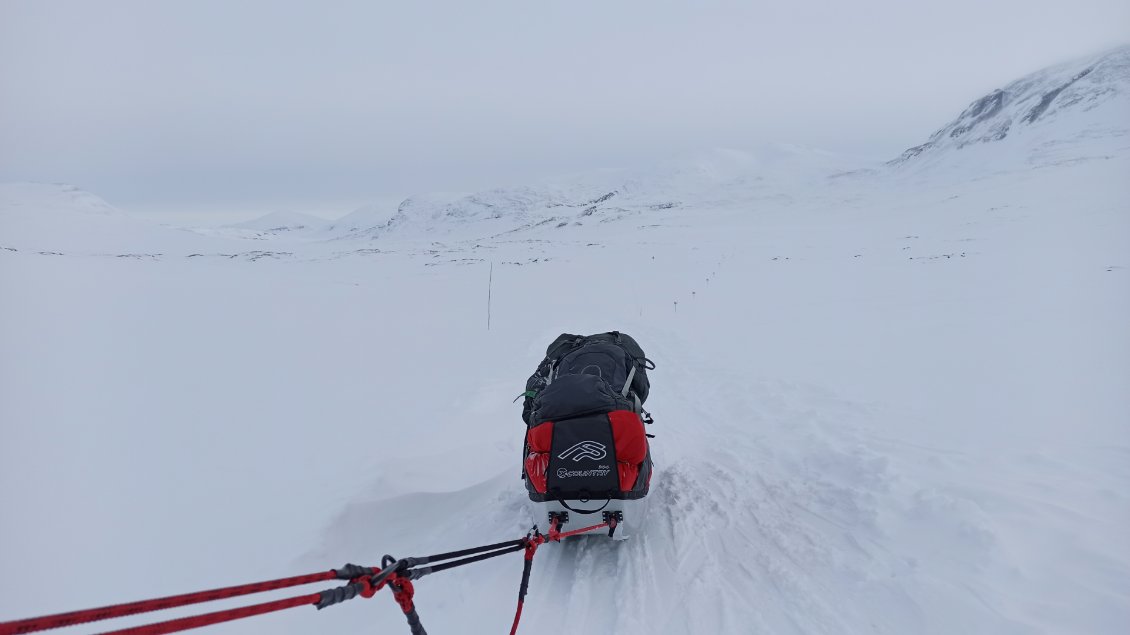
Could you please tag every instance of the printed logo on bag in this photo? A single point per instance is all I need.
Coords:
(585, 450)
(602, 470)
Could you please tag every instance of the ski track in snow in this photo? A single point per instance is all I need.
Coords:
(766, 516)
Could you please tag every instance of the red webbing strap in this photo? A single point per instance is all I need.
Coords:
(360, 585)
(60, 620)
(532, 544)
(208, 619)
(559, 535)
(402, 592)
(517, 617)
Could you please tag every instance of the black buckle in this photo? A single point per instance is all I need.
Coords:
(561, 517)
(613, 519)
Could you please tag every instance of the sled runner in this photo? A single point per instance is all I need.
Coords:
(586, 453)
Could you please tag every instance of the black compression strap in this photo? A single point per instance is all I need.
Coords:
(466, 552)
(416, 574)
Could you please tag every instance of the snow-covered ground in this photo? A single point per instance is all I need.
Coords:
(889, 399)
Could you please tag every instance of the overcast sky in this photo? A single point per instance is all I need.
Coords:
(263, 104)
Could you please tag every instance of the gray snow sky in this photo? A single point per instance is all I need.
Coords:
(313, 106)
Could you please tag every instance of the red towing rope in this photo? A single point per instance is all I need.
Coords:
(534, 541)
(145, 606)
(362, 581)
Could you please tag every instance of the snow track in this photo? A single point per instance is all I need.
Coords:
(745, 534)
(770, 512)
(775, 508)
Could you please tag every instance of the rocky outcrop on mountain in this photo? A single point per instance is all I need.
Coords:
(1079, 99)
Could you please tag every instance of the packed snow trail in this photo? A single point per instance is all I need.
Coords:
(770, 512)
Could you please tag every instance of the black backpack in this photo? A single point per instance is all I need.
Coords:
(585, 433)
(593, 373)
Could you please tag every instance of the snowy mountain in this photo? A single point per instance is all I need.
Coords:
(714, 177)
(63, 219)
(285, 227)
(888, 400)
(283, 221)
(53, 200)
(1074, 103)
(363, 218)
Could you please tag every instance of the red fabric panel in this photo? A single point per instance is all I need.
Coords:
(540, 437)
(628, 431)
(631, 445)
(628, 474)
(536, 463)
(540, 440)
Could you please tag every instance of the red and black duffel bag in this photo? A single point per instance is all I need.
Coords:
(586, 438)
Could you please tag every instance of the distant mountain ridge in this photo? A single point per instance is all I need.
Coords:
(282, 221)
(702, 178)
(1085, 96)
(56, 218)
(55, 199)
(1073, 112)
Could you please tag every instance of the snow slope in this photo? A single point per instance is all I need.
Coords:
(891, 400)
(715, 177)
(282, 222)
(1084, 103)
(56, 219)
(59, 218)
